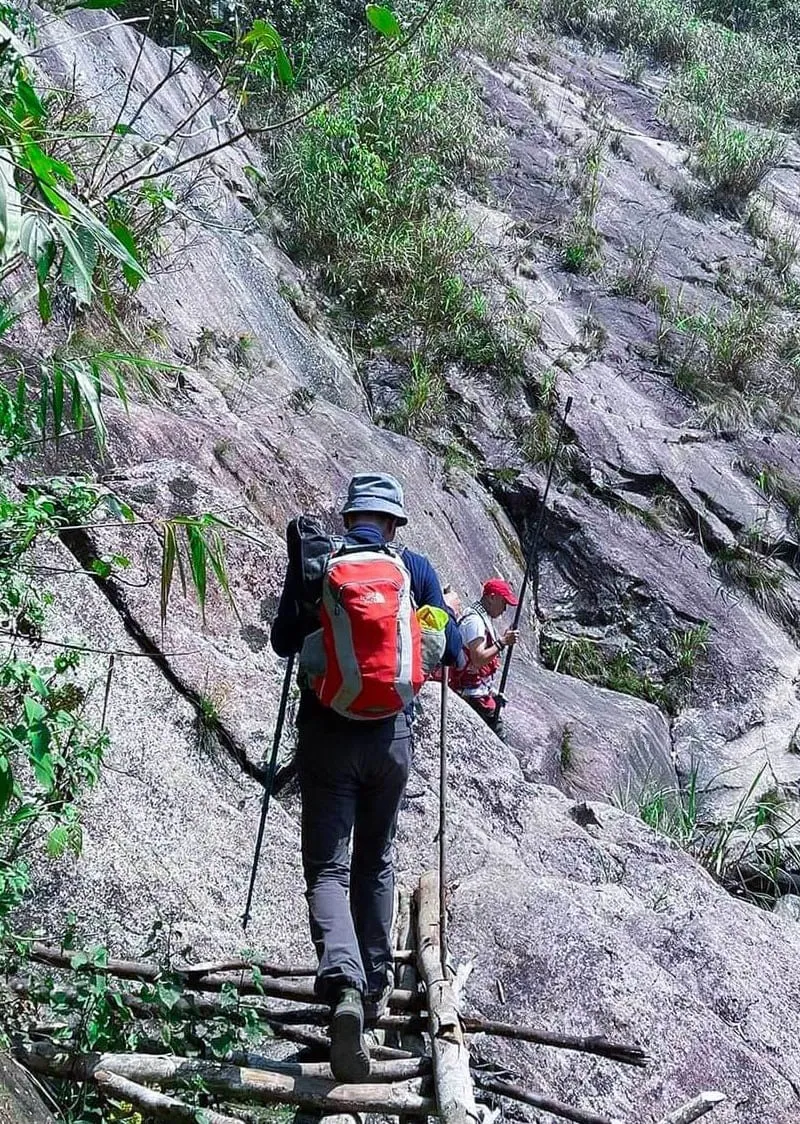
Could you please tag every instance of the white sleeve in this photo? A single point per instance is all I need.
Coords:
(472, 629)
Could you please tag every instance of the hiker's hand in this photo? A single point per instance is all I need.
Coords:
(510, 637)
(453, 601)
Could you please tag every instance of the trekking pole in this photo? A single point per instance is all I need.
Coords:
(276, 741)
(501, 700)
(443, 826)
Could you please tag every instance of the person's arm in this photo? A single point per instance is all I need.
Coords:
(286, 634)
(481, 650)
(427, 590)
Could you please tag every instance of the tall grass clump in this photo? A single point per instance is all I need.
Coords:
(741, 364)
(748, 851)
(751, 73)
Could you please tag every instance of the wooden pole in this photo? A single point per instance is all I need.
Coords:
(455, 1095)
(703, 1103)
(405, 1024)
(297, 990)
(151, 1103)
(589, 1044)
(231, 1083)
(546, 1104)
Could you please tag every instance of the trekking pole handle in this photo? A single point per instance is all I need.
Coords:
(501, 700)
(268, 783)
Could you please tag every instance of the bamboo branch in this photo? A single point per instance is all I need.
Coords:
(152, 1103)
(546, 1104)
(455, 1095)
(287, 988)
(268, 967)
(592, 1044)
(231, 1083)
(322, 1043)
(694, 1109)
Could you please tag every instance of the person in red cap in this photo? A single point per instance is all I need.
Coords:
(484, 645)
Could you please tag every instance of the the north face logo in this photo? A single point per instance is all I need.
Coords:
(374, 597)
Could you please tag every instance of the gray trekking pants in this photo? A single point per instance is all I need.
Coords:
(352, 779)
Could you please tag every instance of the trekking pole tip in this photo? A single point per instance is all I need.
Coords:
(568, 406)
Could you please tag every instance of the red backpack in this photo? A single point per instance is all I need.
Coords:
(365, 661)
(462, 679)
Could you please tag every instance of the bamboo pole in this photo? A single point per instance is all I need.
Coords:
(455, 1095)
(297, 990)
(546, 1104)
(152, 1103)
(405, 1024)
(699, 1106)
(231, 1083)
(589, 1044)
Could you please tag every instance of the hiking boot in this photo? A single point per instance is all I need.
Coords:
(349, 1051)
(376, 1003)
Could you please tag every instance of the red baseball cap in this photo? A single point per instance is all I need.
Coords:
(496, 587)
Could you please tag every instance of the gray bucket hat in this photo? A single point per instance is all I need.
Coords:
(375, 491)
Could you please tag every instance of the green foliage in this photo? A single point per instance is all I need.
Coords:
(734, 161)
(87, 1010)
(746, 851)
(580, 240)
(637, 279)
(690, 646)
(755, 568)
(366, 184)
(585, 659)
(565, 749)
(745, 74)
(423, 400)
(741, 365)
(194, 544)
(50, 757)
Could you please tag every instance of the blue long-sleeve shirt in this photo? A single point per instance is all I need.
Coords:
(292, 624)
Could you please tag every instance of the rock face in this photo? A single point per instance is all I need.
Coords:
(592, 922)
(20, 1102)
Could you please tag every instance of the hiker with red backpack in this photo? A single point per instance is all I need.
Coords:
(483, 647)
(363, 617)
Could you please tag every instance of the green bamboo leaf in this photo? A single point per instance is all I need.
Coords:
(85, 388)
(168, 555)
(35, 238)
(216, 556)
(57, 393)
(46, 168)
(285, 72)
(10, 207)
(384, 21)
(43, 303)
(106, 239)
(29, 101)
(116, 507)
(74, 250)
(75, 273)
(123, 233)
(6, 783)
(198, 559)
(263, 37)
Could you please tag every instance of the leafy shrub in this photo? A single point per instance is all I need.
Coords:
(366, 184)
